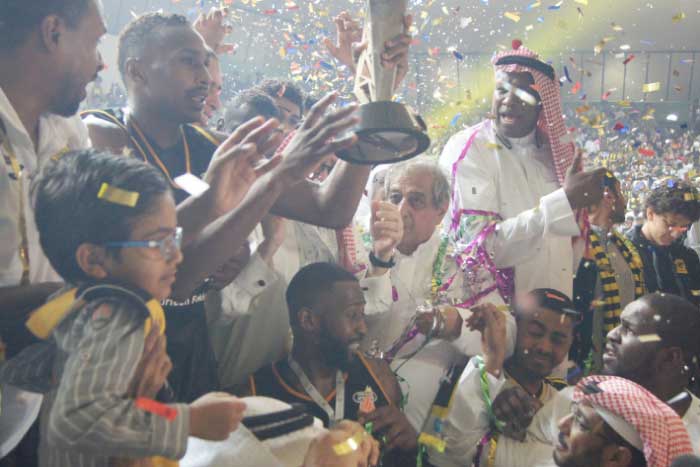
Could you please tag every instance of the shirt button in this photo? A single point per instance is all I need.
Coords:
(261, 283)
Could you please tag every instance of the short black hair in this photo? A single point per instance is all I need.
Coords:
(675, 196)
(310, 283)
(678, 324)
(142, 30)
(249, 104)
(69, 213)
(19, 17)
(286, 89)
(555, 300)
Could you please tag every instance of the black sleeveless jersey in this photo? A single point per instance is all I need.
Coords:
(273, 381)
(194, 371)
(200, 142)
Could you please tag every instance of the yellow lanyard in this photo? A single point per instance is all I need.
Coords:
(19, 175)
(153, 153)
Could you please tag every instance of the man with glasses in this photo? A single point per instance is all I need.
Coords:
(669, 266)
(615, 422)
(655, 346)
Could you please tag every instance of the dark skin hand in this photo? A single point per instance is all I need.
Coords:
(583, 189)
(389, 421)
(516, 408)
(393, 424)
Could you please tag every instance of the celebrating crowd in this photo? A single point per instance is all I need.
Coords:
(197, 283)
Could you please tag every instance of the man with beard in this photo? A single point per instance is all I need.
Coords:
(513, 201)
(609, 277)
(655, 345)
(163, 61)
(47, 56)
(614, 422)
(669, 266)
(545, 320)
(324, 371)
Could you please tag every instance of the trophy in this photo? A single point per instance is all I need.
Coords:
(387, 132)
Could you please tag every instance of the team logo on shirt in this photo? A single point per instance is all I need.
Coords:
(680, 266)
(365, 399)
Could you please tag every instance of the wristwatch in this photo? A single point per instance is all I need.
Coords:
(379, 263)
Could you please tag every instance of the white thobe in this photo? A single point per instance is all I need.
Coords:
(409, 282)
(468, 422)
(248, 322)
(56, 135)
(521, 186)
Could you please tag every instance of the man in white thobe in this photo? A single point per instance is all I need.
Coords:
(424, 273)
(512, 197)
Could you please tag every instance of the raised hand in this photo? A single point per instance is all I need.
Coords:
(215, 415)
(386, 229)
(583, 189)
(348, 44)
(491, 323)
(213, 28)
(316, 139)
(396, 52)
(238, 162)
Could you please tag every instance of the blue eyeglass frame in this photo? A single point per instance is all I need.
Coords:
(167, 246)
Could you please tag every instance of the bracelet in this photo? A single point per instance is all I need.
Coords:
(379, 263)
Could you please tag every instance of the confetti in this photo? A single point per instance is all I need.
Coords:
(651, 87)
(646, 338)
(679, 17)
(512, 16)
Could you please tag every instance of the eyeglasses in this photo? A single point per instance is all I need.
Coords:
(168, 246)
(677, 229)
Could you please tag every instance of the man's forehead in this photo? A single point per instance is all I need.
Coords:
(521, 78)
(178, 38)
(347, 293)
(638, 312)
(551, 319)
(414, 181)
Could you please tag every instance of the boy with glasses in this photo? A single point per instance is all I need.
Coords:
(108, 226)
(669, 266)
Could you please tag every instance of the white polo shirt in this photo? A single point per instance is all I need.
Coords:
(56, 135)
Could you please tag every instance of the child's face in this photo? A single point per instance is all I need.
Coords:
(145, 267)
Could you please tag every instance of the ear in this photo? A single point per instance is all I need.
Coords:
(616, 456)
(92, 260)
(51, 30)
(669, 360)
(442, 211)
(308, 321)
(133, 70)
(650, 214)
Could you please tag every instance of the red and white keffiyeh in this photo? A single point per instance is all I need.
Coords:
(551, 122)
(662, 432)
